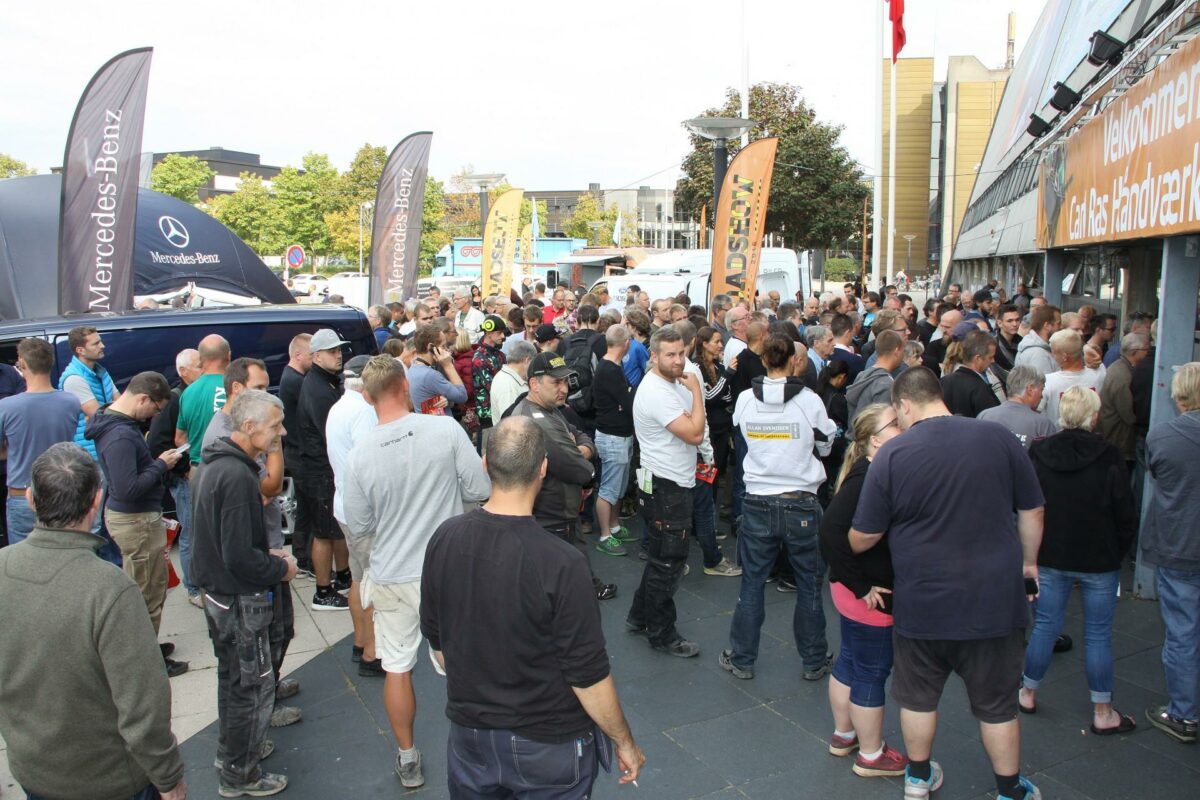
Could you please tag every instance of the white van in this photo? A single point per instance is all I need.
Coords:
(667, 274)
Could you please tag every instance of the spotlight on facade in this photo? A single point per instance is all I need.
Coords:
(1105, 49)
(1064, 98)
(1038, 127)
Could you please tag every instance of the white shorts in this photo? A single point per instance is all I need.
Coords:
(359, 548)
(397, 622)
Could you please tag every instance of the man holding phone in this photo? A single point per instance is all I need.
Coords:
(960, 602)
(433, 376)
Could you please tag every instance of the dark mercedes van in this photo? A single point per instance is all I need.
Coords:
(136, 341)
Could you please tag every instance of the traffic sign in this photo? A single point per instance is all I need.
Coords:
(295, 256)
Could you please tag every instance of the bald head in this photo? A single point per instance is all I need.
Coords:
(214, 353)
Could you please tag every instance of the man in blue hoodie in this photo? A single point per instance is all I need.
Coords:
(133, 504)
(1171, 542)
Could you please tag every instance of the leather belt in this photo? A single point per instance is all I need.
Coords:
(15, 492)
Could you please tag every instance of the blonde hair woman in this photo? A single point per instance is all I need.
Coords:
(861, 587)
(1089, 526)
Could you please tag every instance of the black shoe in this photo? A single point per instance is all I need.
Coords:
(1063, 643)
(371, 669)
(330, 601)
(635, 627)
(681, 648)
(175, 668)
(786, 586)
(286, 687)
(643, 555)
(167, 648)
(606, 591)
(819, 672)
(355, 653)
(341, 582)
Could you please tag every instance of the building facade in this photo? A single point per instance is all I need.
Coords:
(228, 166)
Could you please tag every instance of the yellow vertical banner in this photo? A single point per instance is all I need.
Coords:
(526, 251)
(500, 243)
(741, 216)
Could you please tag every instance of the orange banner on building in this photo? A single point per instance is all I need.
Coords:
(500, 243)
(1133, 171)
(741, 215)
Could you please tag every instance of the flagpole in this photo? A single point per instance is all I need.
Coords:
(891, 243)
(877, 183)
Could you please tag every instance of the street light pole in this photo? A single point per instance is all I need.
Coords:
(719, 130)
(908, 237)
(483, 182)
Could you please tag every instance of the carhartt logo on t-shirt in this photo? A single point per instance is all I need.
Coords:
(397, 440)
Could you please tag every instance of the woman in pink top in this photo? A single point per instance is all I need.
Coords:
(861, 587)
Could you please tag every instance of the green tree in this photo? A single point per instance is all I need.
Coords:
(817, 189)
(841, 269)
(181, 177)
(14, 168)
(305, 196)
(433, 235)
(254, 215)
(587, 211)
(362, 179)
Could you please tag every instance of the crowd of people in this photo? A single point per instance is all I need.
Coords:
(955, 471)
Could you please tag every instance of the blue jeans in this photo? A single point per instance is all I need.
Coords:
(484, 763)
(149, 793)
(864, 662)
(766, 522)
(181, 491)
(1099, 608)
(704, 523)
(1179, 603)
(20, 519)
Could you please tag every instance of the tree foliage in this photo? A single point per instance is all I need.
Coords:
(817, 189)
(181, 177)
(254, 215)
(587, 211)
(14, 168)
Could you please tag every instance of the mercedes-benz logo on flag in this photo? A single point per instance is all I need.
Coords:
(173, 231)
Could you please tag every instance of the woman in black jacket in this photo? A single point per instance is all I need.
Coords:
(861, 586)
(831, 388)
(1089, 527)
(707, 351)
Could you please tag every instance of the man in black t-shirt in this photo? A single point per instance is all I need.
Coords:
(509, 617)
(299, 362)
(959, 598)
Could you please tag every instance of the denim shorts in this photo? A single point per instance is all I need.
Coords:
(864, 662)
(615, 454)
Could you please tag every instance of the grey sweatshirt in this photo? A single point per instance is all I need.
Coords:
(1171, 532)
(85, 706)
(1035, 352)
(403, 480)
(873, 385)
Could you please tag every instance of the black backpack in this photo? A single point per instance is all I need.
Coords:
(581, 358)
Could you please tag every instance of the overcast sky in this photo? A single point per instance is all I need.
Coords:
(554, 94)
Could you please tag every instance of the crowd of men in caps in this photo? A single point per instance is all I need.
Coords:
(955, 469)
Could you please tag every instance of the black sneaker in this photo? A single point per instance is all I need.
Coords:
(681, 648)
(785, 586)
(1179, 729)
(268, 783)
(355, 653)
(819, 672)
(1063, 643)
(606, 591)
(341, 582)
(371, 669)
(635, 627)
(329, 601)
(175, 668)
(167, 648)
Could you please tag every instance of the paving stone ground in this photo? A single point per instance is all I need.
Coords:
(705, 734)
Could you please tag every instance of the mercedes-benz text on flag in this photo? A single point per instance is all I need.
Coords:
(396, 230)
(99, 188)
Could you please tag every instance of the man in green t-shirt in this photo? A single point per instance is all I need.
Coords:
(203, 397)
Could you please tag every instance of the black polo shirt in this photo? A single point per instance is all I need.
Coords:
(512, 609)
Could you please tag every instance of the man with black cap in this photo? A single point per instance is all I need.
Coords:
(320, 390)
(547, 339)
(569, 452)
(487, 361)
(349, 421)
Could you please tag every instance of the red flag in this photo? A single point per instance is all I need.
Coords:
(896, 15)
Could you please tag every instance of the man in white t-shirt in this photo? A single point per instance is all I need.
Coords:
(466, 317)
(1067, 348)
(350, 420)
(668, 420)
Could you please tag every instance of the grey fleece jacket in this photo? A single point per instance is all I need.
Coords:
(1035, 352)
(84, 702)
(873, 385)
(1171, 532)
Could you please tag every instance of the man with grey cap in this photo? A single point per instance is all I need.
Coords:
(350, 419)
(569, 453)
(320, 390)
